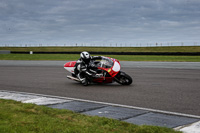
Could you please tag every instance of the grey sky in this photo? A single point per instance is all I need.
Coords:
(99, 21)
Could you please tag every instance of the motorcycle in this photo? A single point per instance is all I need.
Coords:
(108, 71)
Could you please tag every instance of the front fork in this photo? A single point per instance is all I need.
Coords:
(117, 77)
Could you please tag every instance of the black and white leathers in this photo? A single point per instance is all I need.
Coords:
(86, 69)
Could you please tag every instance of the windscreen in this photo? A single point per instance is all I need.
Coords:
(106, 62)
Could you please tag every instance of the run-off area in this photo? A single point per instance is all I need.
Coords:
(132, 115)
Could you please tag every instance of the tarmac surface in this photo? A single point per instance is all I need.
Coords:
(160, 95)
(165, 86)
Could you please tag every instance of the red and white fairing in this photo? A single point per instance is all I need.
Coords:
(70, 66)
(113, 70)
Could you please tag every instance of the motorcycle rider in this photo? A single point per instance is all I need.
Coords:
(85, 69)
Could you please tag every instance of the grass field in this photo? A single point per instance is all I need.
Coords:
(16, 117)
(119, 57)
(105, 49)
(102, 49)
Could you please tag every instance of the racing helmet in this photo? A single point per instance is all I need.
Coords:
(85, 56)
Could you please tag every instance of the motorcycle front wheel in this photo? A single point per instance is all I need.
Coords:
(123, 79)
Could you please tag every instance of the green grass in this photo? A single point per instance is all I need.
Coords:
(103, 49)
(16, 117)
(119, 57)
(106, 49)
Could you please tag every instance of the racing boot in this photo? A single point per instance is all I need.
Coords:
(85, 82)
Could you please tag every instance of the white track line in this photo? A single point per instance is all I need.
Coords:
(112, 104)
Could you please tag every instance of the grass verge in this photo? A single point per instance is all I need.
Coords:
(119, 57)
(22, 118)
(105, 49)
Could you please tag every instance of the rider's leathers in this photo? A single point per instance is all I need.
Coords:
(86, 69)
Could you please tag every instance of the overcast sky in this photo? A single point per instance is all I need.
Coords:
(99, 21)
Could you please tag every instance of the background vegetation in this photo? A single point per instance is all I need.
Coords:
(102, 49)
(105, 49)
(119, 57)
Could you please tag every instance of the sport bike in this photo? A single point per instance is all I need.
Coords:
(108, 71)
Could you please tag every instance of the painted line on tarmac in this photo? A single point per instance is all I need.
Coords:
(111, 104)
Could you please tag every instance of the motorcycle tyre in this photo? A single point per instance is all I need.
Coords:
(127, 78)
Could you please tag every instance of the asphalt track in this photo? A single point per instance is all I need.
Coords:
(165, 86)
